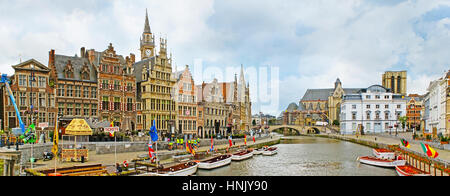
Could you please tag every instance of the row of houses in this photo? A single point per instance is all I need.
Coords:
(104, 87)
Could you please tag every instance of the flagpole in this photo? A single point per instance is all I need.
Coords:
(115, 148)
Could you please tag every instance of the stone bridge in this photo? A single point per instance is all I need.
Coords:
(297, 129)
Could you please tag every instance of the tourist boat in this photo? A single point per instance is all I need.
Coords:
(381, 162)
(215, 162)
(259, 151)
(408, 170)
(184, 169)
(384, 153)
(245, 154)
(270, 151)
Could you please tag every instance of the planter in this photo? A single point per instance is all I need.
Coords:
(442, 143)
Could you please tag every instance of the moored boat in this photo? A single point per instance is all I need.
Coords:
(270, 151)
(242, 155)
(383, 153)
(215, 162)
(408, 170)
(184, 169)
(259, 151)
(381, 162)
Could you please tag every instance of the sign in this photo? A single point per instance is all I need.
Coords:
(17, 131)
(188, 112)
(111, 129)
(43, 125)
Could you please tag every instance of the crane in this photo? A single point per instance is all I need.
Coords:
(27, 135)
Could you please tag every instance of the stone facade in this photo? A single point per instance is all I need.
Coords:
(396, 81)
(155, 82)
(30, 85)
(185, 92)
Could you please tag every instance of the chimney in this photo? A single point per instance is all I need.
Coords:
(82, 52)
(91, 55)
(51, 58)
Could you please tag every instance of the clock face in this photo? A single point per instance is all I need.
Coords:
(148, 52)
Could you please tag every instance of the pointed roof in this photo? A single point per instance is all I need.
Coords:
(147, 24)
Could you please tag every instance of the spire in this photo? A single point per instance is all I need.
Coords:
(147, 24)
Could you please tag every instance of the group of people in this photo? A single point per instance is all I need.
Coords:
(181, 143)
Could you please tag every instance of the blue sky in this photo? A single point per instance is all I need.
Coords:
(312, 42)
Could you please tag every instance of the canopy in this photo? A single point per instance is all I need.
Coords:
(78, 127)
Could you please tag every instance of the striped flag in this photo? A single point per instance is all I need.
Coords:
(429, 151)
(405, 143)
(245, 140)
(150, 149)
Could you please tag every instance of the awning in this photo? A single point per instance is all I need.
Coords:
(78, 127)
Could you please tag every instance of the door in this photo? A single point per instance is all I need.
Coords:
(377, 128)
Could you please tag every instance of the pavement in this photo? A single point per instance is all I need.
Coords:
(395, 140)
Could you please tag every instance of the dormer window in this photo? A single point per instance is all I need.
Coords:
(68, 71)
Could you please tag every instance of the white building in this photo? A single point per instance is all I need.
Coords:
(437, 114)
(376, 108)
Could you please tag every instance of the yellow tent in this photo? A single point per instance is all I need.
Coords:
(78, 127)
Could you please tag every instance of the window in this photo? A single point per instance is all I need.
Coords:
(354, 116)
(368, 116)
(86, 92)
(42, 100)
(31, 81)
(399, 106)
(116, 103)
(42, 81)
(51, 100)
(387, 97)
(60, 90)
(367, 126)
(51, 119)
(77, 91)
(42, 117)
(69, 109)
(105, 103)
(69, 91)
(367, 106)
(377, 106)
(104, 84)
(86, 109)
(116, 85)
(23, 98)
(22, 80)
(377, 116)
(61, 108)
(386, 106)
(386, 116)
(368, 96)
(94, 92)
(129, 104)
(94, 110)
(353, 106)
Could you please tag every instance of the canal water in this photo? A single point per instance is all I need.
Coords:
(305, 156)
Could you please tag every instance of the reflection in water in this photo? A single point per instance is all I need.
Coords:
(305, 156)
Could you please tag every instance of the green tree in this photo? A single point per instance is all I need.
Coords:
(403, 120)
(336, 122)
(254, 122)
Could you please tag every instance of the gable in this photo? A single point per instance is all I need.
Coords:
(31, 64)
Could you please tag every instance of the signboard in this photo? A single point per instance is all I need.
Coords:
(17, 131)
(43, 125)
(111, 129)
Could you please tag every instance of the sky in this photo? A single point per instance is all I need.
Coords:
(285, 46)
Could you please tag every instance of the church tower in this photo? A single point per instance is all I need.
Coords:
(147, 41)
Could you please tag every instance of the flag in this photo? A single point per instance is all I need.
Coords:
(429, 151)
(189, 148)
(231, 142)
(111, 134)
(55, 140)
(405, 143)
(111, 124)
(245, 140)
(150, 149)
(153, 132)
(254, 140)
(212, 145)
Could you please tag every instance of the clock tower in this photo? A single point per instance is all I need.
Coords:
(147, 41)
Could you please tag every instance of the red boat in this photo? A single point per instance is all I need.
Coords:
(408, 170)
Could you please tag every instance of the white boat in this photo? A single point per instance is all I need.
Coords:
(184, 169)
(270, 151)
(215, 162)
(384, 153)
(407, 170)
(381, 162)
(246, 154)
(259, 151)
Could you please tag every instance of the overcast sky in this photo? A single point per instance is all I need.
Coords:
(311, 42)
